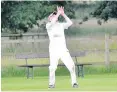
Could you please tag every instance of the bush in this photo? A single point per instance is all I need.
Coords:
(85, 19)
(99, 22)
(13, 71)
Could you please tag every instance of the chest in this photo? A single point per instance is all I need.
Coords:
(56, 29)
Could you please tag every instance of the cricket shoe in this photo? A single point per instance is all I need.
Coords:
(51, 86)
(75, 85)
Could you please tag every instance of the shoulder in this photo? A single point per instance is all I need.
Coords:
(47, 25)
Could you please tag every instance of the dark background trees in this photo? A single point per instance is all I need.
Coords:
(21, 15)
(106, 10)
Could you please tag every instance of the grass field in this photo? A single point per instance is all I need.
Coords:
(104, 82)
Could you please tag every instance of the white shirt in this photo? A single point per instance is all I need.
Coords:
(56, 35)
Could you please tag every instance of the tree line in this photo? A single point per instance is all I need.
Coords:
(21, 15)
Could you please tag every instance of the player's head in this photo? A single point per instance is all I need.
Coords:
(52, 15)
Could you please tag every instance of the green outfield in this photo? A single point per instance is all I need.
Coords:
(104, 82)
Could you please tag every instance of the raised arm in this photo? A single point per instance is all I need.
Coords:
(54, 18)
(68, 21)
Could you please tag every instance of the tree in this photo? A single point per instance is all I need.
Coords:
(24, 14)
(106, 10)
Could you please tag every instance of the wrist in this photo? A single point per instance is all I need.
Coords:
(63, 14)
(58, 13)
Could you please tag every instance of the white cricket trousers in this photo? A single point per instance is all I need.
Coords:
(63, 54)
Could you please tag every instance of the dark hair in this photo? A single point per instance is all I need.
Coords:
(54, 12)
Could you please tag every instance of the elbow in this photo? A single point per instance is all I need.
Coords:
(71, 23)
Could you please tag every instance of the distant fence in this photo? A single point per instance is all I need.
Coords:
(94, 47)
(24, 36)
(12, 47)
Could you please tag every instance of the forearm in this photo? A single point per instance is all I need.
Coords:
(55, 18)
(53, 21)
(67, 19)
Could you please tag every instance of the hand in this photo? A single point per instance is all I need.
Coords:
(60, 10)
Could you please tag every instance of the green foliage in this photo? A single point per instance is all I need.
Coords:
(99, 22)
(106, 10)
(12, 71)
(24, 14)
(100, 69)
(113, 45)
(85, 19)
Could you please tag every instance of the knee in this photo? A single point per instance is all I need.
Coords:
(52, 68)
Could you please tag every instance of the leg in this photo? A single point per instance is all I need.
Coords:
(67, 60)
(52, 68)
